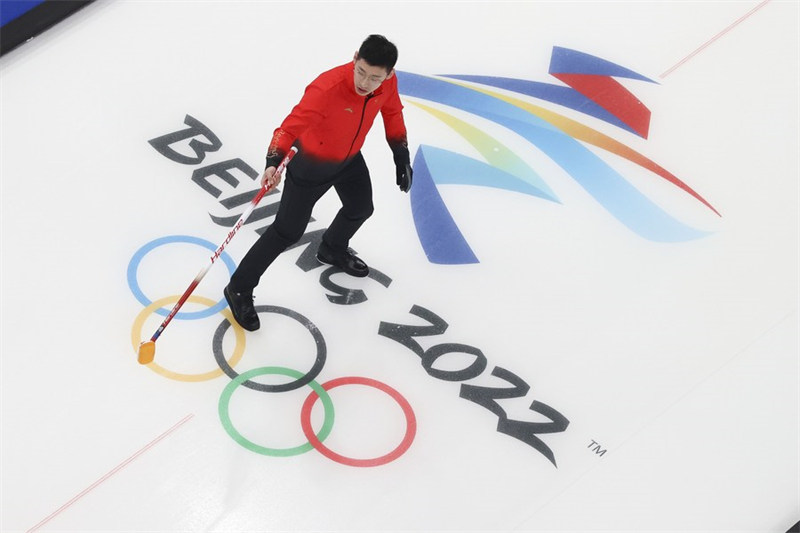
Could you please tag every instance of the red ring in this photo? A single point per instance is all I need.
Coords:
(411, 423)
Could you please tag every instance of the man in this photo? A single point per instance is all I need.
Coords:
(328, 127)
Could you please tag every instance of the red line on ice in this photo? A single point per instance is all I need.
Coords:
(122, 465)
(717, 36)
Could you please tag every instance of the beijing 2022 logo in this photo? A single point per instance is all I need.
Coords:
(590, 89)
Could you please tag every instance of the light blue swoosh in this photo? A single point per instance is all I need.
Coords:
(603, 183)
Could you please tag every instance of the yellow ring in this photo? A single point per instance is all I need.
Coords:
(136, 335)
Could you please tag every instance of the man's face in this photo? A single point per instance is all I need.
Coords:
(367, 77)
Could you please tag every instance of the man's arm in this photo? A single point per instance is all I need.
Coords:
(394, 124)
(308, 112)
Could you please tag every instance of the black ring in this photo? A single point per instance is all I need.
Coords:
(292, 385)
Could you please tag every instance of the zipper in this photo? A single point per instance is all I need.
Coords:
(360, 123)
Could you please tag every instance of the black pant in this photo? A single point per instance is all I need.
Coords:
(354, 188)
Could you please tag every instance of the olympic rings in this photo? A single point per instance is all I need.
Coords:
(133, 268)
(319, 361)
(224, 415)
(318, 392)
(316, 441)
(238, 351)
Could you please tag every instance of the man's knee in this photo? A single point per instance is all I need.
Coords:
(287, 235)
(361, 212)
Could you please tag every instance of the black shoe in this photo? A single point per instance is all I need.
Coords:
(347, 261)
(241, 304)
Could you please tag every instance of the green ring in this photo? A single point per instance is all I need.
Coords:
(224, 415)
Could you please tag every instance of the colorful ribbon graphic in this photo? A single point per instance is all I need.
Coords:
(594, 92)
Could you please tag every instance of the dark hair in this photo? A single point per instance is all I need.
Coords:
(378, 51)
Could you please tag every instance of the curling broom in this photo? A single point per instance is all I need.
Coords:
(147, 349)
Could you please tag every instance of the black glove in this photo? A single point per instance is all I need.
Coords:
(274, 158)
(404, 177)
(402, 163)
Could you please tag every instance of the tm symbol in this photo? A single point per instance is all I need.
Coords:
(595, 446)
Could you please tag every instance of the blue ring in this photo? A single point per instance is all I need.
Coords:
(133, 268)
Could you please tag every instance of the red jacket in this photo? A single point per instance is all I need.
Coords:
(331, 121)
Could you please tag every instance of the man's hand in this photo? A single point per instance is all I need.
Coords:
(402, 163)
(404, 177)
(270, 178)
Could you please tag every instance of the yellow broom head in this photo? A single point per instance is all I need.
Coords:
(147, 352)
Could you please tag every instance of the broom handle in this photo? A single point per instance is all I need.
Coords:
(196, 281)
